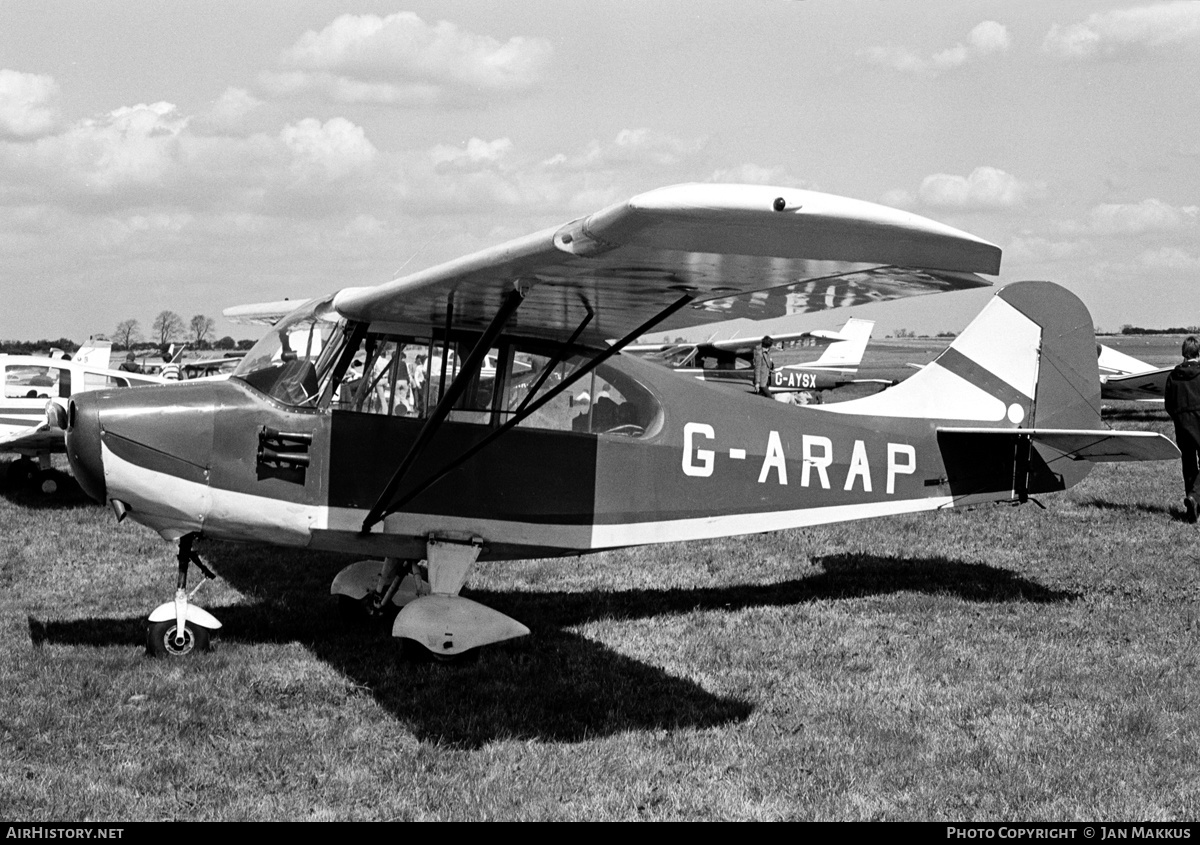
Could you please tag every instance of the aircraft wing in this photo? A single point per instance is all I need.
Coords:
(781, 340)
(1137, 387)
(262, 313)
(35, 438)
(738, 250)
(1113, 362)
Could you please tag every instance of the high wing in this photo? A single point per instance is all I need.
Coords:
(262, 313)
(782, 340)
(731, 349)
(741, 344)
(733, 250)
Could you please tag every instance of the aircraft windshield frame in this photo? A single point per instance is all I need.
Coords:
(290, 361)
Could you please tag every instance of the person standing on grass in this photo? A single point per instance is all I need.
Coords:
(763, 366)
(1182, 400)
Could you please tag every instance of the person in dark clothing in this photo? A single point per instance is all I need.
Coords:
(1182, 400)
(130, 364)
(763, 366)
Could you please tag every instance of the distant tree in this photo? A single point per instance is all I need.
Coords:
(167, 326)
(226, 342)
(127, 334)
(245, 344)
(201, 327)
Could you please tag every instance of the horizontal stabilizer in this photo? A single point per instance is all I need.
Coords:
(1094, 445)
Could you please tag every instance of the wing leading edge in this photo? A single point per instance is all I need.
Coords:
(738, 250)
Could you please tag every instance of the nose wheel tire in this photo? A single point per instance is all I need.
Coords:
(162, 642)
(48, 482)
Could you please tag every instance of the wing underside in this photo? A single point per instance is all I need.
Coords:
(735, 250)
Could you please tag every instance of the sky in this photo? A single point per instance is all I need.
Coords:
(194, 156)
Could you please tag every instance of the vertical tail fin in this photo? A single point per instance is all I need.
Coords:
(1028, 359)
(95, 353)
(1015, 398)
(848, 353)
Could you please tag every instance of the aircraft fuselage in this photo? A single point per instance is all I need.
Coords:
(227, 461)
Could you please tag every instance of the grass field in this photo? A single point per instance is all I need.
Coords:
(999, 663)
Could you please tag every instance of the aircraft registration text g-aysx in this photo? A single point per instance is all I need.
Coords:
(816, 453)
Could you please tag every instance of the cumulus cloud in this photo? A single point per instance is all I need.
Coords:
(1035, 249)
(402, 60)
(26, 104)
(228, 113)
(637, 148)
(1169, 258)
(1149, 215)
(756, 174)
(1126, 32)
(985, 39)
(985, 189)
(478, 153)
(331, 149)
(130, 145)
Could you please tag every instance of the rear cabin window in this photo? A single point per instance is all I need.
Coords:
(23, 381)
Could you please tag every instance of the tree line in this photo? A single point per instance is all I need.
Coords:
(1128, 329)
(168, 327)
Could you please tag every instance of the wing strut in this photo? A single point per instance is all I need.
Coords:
(557, 359)
(469, 368)
(525, 412)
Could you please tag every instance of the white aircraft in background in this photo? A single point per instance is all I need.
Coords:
(32, 383)
(1125, 377)
(730, 360)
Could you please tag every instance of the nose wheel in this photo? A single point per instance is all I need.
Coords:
(163, 639)
(179, 628)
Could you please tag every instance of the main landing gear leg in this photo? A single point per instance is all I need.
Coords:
(373, 589)
(444, 622)
(178, 628)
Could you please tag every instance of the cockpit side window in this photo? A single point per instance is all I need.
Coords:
(405, 375)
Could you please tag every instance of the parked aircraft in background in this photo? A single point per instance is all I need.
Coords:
(210, 367)
(1125, 377)
(291, 450)
(33, 381)
(729, 361)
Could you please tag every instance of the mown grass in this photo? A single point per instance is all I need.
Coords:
(993, 664)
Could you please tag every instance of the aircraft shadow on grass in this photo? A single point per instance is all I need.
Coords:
(1147, 414)
(69, 495)
(1135, 509)
(554, 685)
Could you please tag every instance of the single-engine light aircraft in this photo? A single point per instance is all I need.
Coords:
(31, 383)
(729, 361)
(428, 472)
